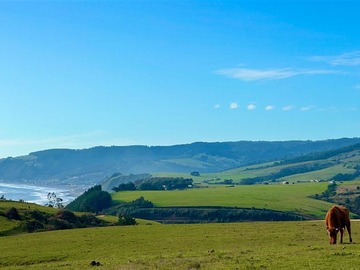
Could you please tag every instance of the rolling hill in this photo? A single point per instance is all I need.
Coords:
(90, 166)
(342, 164)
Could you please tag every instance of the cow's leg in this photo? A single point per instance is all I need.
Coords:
(341, 235)
(349, 231)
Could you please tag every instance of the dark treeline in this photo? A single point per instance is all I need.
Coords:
(156, 183)
(161, 183)
(124, 187)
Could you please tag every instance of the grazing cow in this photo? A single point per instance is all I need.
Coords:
(337, 218)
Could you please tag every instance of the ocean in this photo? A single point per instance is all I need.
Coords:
(34, 194)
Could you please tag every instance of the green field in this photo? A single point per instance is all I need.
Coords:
(26, 206)
(250, 245)
(234, 174)
(292, 198)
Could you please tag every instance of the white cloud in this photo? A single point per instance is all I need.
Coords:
(251, 107)
(216, 106)
(288, 108)
(234, 105)
(306, 108)
(269, 107)
(357, 87)
(268, 74)
(345, 59)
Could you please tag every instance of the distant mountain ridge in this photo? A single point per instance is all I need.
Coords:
(90, 166)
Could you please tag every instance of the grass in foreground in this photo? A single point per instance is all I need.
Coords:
(260, 245)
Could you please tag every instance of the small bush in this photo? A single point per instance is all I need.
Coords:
(66, 215)
(32, 225)
(37, 215)
(126, 220)
(12, 213)
(59, 224)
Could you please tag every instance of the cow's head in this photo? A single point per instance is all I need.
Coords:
(332, 232)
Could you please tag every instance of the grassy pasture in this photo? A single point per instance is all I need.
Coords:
(341, 163)
(26, 206)
(293, 197)
(234, 174)
(319, 174)
(250, 245)
(6, 224)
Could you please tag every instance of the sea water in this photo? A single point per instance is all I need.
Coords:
(33, 194)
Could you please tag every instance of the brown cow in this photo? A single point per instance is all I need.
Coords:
(337, 218)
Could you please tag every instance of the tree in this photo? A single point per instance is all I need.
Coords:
(12, 213)
(54, 201)
(32, 225)
(126, 220)
(123, 187)
(195, 174)
(93, 200)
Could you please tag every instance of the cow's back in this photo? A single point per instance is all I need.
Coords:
(337, 217)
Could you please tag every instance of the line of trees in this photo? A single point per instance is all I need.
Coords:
(156, 183)
(124, 187)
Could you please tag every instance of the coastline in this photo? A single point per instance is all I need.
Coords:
(35, 193)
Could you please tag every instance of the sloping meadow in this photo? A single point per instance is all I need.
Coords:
(293, 198)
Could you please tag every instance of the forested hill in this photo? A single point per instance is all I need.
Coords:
(89, 166)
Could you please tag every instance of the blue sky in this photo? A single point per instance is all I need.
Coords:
(77, 74)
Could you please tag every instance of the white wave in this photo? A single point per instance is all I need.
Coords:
(34, 194)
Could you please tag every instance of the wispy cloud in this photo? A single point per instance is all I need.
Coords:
(251, 107)
(306, 108)
(216, 106)
(288, 108)
(269, 107)
(234, 105)
(246, 74)
(345, 59)
(329, 109)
